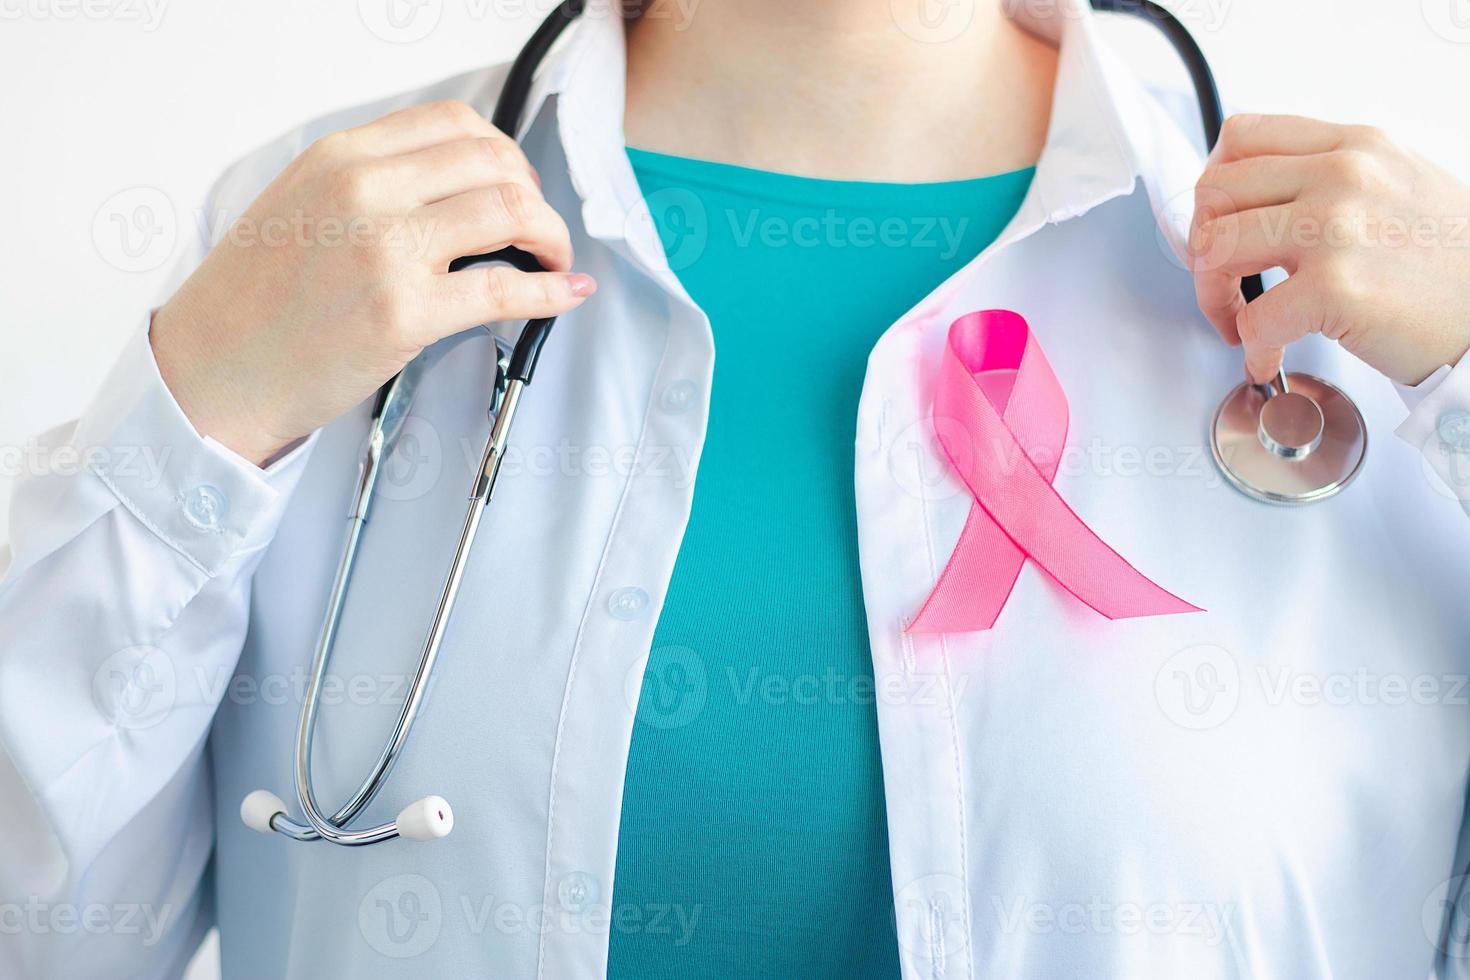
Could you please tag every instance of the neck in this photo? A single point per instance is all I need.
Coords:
(844, 89)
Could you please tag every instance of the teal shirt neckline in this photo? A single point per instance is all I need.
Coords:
(778, 187)
(753, 811)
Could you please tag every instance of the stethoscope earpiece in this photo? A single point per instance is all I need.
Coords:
(429, 818)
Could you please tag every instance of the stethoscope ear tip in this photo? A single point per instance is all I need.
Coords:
(259, 808)
(427, 819)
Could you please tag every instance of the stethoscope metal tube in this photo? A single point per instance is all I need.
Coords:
(431, 816)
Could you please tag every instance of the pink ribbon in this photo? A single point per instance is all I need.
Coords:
(1001, 419)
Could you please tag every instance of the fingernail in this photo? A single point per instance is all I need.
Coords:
(581, 284)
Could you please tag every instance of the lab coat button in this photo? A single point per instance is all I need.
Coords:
(577, 892)
(627, 604)
(1454, 430)
(678, 397)
(204, 507)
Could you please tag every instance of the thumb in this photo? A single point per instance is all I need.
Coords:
(1266, 325)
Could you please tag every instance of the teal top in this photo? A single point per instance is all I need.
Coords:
(753, 840)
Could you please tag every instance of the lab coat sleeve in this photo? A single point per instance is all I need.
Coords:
(1439, 427)
(124, 602)
(124, 599)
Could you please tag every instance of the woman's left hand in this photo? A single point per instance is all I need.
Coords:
(1374, 239)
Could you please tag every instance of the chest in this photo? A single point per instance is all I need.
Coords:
(1284, 749)
(1313, 712)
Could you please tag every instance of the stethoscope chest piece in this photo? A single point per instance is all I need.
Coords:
(1295, 441)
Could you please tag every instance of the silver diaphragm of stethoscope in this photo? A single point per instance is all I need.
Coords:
(1298, 439)
(1295, 440)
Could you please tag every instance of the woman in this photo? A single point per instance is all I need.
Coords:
(811, 782)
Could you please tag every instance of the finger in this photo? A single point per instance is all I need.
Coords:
(489, 218)
(488, 293)
(1220, 301)
(1252, 136)
(1255, 182)
(1247, 242)
(446, 169)
(1226, 248)
(421, 126)
(1281, 316)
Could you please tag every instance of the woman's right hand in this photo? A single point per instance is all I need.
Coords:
(335, 277)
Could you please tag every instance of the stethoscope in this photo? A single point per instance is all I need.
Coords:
(1296, 440)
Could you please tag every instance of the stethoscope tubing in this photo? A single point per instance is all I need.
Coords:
(389, 410)
(516, 370)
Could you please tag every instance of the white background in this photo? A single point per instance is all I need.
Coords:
(101, 96)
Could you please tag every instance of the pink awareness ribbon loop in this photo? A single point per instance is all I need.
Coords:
(1001, 419)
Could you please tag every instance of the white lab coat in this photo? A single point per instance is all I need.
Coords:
(1272, 787)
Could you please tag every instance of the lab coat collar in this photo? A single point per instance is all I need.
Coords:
(586, 74)
(1105, 133)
